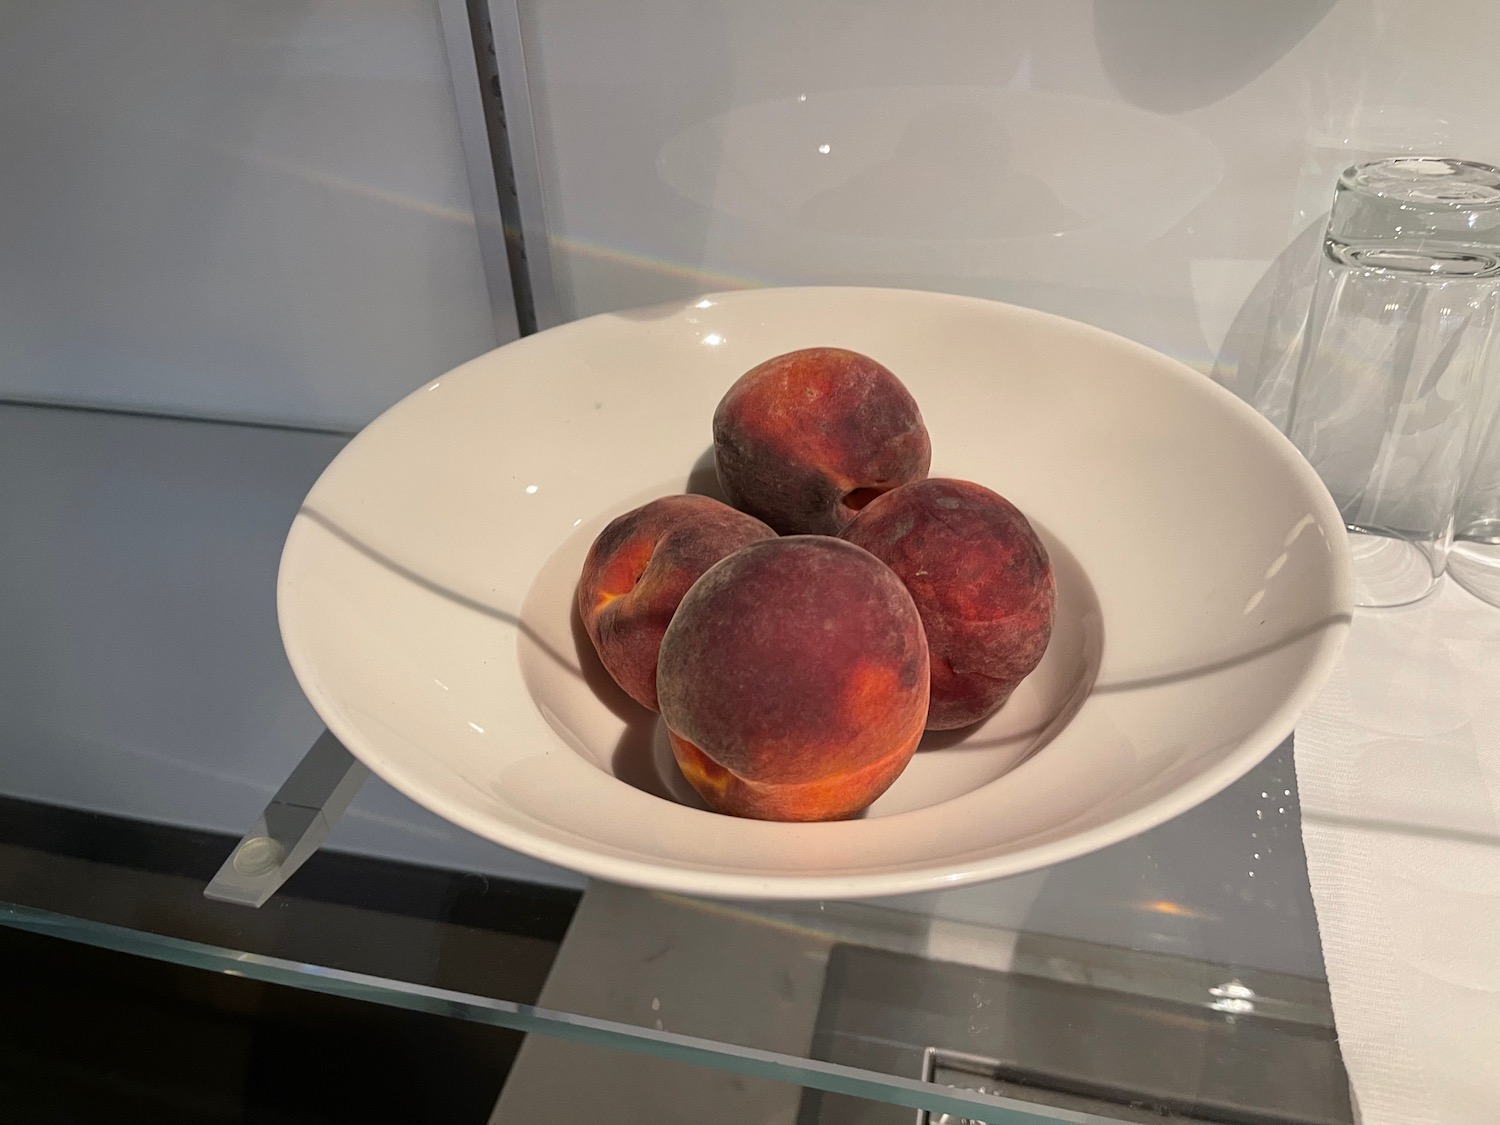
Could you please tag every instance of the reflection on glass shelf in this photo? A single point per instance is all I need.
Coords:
(1115, 1050)
(1076, 1031)
(141, 669)
(937, 180)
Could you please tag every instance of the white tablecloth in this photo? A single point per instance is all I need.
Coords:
(1398, 763)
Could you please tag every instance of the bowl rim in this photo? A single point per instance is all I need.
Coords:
(1328, 636)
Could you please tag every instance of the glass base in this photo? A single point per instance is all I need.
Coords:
(1476, 567)
(1389, 571)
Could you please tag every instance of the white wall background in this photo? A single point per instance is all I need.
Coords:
(1156, 167)
(241, 209)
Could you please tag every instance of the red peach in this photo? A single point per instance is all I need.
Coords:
(981, 580)
(793, 680)
(637, 572)
(804, 440)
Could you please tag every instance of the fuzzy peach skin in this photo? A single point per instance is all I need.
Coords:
(806, 439)
(640, 567)
(981, 580)
(793, 680)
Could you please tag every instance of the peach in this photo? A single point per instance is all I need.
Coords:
(981, 580)
(793, 680)
(640, 567)
(804, 440)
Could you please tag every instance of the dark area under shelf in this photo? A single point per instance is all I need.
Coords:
(90, 1034)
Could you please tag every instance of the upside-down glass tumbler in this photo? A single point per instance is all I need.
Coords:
(1390, 382)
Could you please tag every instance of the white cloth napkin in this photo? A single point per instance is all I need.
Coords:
(1398, 765)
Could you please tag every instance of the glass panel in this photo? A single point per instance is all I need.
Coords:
(226, 209)
(839, 1090)
(853, 999)
(233, 209)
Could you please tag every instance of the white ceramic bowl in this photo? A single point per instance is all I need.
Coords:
(426, 591)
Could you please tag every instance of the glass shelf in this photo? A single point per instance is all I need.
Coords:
(862, 1004)
(1178, 972)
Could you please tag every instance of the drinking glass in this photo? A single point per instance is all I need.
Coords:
(1474, 561)
(1393, 358)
